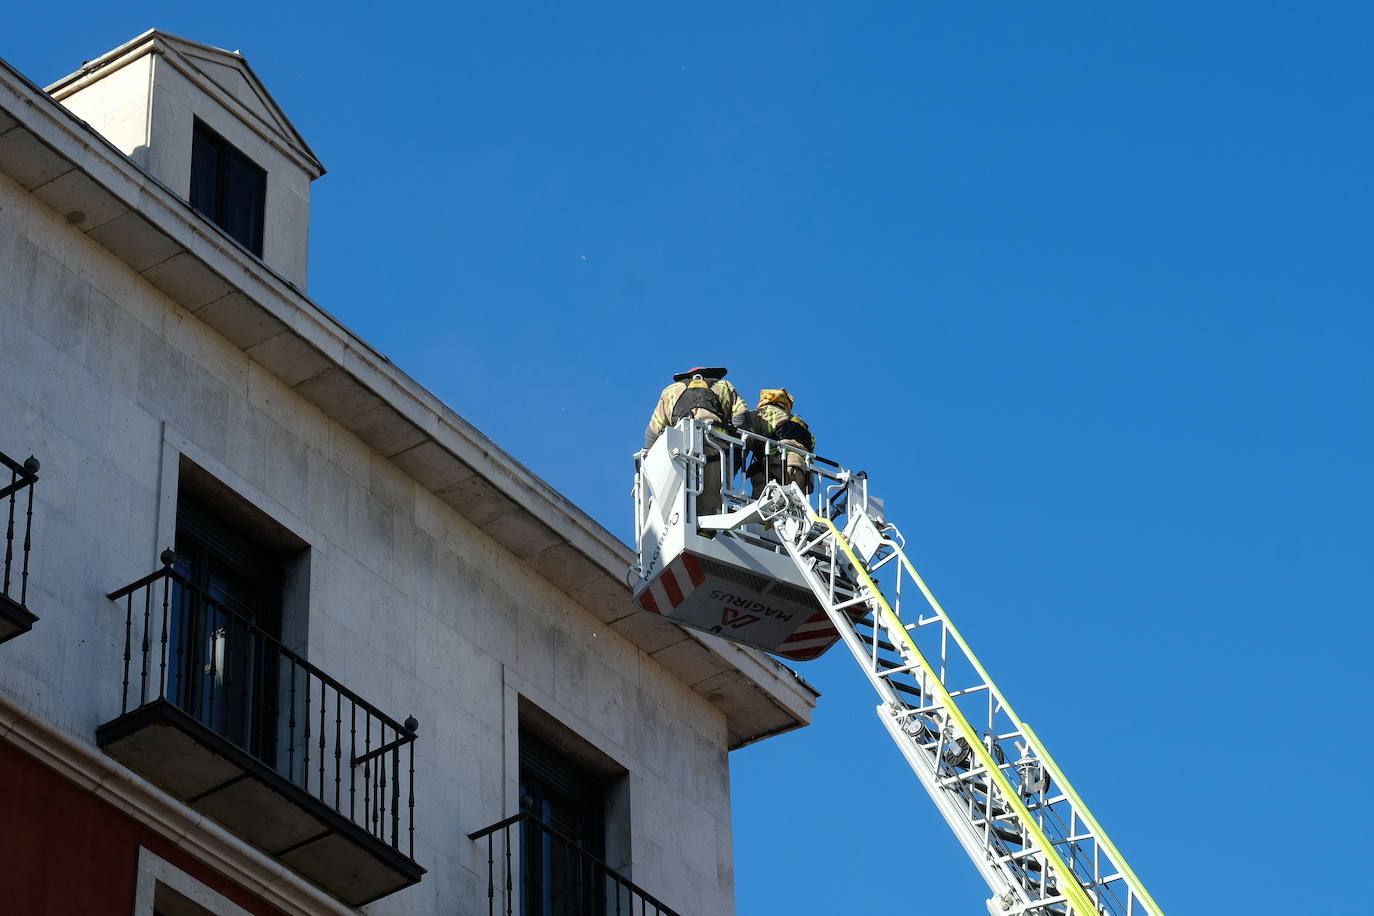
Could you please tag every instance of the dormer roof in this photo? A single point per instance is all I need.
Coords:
(225, 75)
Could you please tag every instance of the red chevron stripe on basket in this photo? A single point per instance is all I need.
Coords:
(665, 594)
(810, 639)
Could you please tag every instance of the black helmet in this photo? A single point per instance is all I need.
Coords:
(711, 372)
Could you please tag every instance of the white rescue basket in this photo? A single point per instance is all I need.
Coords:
(721, 574)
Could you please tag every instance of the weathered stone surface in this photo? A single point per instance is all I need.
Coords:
(134, 240)
(521, 533)
(28, 160)
(432, 466)
(290, 358)
(81, 201)
(242, 321)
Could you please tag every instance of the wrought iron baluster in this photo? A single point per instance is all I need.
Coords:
(380, 825)
(182, 671)
(271, 684)
(352, 755)
(412, 789)
(147, 614)
(324, 698)
(510, 881)
(491, 876)
(291, 728)
(9, 537)
(128, 640)
(338, 744)
(253, 713)
(367, 770)
(162, 656)
(305, 764)
(207, 642)
(396, 797)
(32, 465)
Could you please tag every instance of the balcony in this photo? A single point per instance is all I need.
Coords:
(534, 869)
(221, 715)
(16, 502)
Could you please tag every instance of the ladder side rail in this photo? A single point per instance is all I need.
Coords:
(950, 808)
(1060, 836)
(1062, 846)
(1082, 811)
(1015, 879)
(878, 677)
(1033, 743)
(1051, 860)
(973, 847)
(1080, 857)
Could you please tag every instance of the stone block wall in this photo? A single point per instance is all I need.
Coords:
(111, 384)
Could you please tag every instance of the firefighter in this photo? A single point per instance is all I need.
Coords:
(701, 392)
(773, 419)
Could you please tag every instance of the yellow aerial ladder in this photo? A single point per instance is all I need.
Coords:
(793, 573)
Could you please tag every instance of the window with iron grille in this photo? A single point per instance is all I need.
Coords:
(227, 187)
(561, 856)
(219, 671)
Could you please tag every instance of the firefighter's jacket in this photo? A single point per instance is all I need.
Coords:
(730, 401)
(777, 424)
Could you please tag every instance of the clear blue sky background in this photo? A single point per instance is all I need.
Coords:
(1085, 287)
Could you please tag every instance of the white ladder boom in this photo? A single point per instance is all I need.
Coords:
(1029, 834)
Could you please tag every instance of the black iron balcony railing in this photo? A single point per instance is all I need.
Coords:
(536, 870)
(16, 501)
(201, 653)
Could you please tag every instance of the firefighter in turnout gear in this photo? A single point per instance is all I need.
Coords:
(701, 392)
(773, 419)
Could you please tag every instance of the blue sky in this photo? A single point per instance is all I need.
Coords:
(1084, 287)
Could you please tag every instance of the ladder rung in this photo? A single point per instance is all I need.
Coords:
(906, 688)
(895, 668)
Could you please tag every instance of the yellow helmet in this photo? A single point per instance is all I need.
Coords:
(778, 396)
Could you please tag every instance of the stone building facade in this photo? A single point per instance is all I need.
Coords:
(347, 631)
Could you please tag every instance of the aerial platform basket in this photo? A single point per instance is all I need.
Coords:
(738, 583)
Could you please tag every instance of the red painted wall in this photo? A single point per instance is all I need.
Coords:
(65, 852)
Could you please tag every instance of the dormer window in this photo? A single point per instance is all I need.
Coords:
(227, 187)
(200, 121)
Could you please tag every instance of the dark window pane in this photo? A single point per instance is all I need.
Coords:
(222, 672)
(205, 169)
(244, 187)
(227, 187)
(560, 856)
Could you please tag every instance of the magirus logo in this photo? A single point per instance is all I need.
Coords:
(729, 617)
(738, 607)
